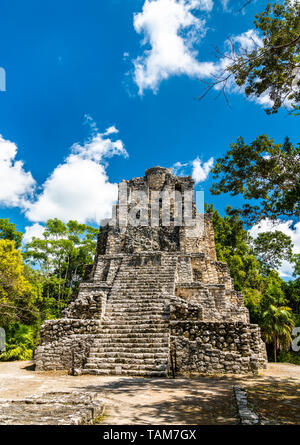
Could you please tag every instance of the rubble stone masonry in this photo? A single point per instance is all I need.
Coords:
(156, 300)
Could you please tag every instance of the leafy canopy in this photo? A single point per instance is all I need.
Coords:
(276, 327)
(263, 171)
(61, 256)
(273, 68)
(8, 231)
(273, 247)
(16, 296)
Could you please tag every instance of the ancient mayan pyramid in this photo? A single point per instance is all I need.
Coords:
(156, 300)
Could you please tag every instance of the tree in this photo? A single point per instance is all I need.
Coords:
(272, 247)
(16, 296)
(277, 324)
(233, 247)
(271, 66)
(8, 231)
(259, 284)
(61, 256)
(263, 171)
(296, 261)
(292, 295)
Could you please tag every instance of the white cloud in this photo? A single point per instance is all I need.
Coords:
(267, 225)
(79, 188)
(248, 40)
(36, 230)
(199, 170)
(170, 29)
(16, 185)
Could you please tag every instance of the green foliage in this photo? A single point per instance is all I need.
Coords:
(272, 68)
(17, 296)
(263, 171)
(8, 231)
(233, 247)
(272, 303)
(29, 295)
(277, 324)
(289, 357)
(61, 256)
(292, 294)
(273, 247)
(296, 260)
(20, 342)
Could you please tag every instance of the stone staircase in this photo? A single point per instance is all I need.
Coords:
(134, 337)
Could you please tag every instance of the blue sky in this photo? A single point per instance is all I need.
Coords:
(76, 68)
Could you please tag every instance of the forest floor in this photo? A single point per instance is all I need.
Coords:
(274, 394)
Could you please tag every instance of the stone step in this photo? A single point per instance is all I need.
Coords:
(133, 329)
(135, 320)
(130, 319)
(109, 349)
(144, 318)
(142, 334)
(134, 305)
(134, 336)
(115, 326)
(126, 276)
(128, 343)
(139, 309)
(130, 299)
(127, 366)
(111, 356)
(125, 342)
(139, 315)
(143, 301)
(133, 372)
(106, 362)
(147, 338)
(139, 287)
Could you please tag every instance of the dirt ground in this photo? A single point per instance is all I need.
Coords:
(274, 394)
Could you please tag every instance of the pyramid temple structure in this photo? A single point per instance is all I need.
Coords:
(156, 301)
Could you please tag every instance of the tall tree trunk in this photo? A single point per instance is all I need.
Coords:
(275, 348)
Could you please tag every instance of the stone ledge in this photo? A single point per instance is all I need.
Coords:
(247, 416)
(53, 408)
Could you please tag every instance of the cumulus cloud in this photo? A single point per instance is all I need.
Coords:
(198, 170)
(16, 185)
(248, 40)
(201, 171)
(171, 29)
(34, 231)
(266, 225)
(79, 188)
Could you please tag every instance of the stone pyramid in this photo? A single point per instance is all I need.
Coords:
(156, 300)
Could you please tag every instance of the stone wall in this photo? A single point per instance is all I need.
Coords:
(54, 330)
(216, 347)
(65, 343)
